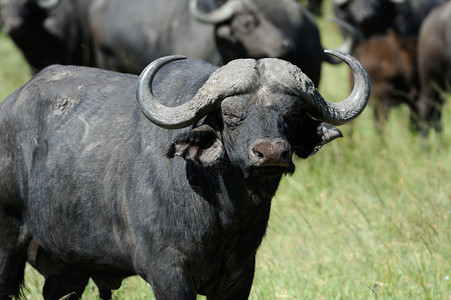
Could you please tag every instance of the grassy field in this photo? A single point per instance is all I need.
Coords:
(368, 217)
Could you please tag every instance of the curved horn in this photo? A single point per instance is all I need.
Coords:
(333, 113)
(348, 109)
(234, 78)
(47, 4)
(219, 15)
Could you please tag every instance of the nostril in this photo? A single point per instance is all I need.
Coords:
(285, 154)
(258, 154)
(259, 151)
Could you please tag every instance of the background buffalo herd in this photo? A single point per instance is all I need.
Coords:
(405, 45)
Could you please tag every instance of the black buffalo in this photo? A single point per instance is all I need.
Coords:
(434, 66)
(49, 31)
(105, 192)
(375, 17)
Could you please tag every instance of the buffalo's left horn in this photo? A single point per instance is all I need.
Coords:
(232, 79)
(219, 15)
(295, 82)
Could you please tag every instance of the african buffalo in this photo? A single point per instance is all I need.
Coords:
(375, 17)
(434, 66)
(391, 64)
(48, 31)
(105, 191)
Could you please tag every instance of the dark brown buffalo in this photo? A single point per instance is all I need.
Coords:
(391, 64)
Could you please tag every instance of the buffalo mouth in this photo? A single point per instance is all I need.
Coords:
(270, 171)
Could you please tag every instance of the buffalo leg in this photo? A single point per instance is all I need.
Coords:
(429, 107)
(241, 288)
(104, 294)
(59, 286)
(171, 283)
(381, 111)
(12, 256)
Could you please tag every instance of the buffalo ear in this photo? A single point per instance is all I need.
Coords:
(312, 136)
(225, 32)
(201, 145)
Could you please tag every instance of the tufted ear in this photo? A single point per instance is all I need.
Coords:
(312, 135)
(201, 145)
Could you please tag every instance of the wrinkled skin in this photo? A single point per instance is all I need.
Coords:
(434, 66)
(391, 64)
(108, 194)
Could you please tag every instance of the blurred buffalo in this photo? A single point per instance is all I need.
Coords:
(126, 35)
(391, 64)
(374, 17)
(434, 66)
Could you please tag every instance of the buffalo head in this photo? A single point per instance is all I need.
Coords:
(242, 24)
(14, 13)
(370, 16)
(255, 112)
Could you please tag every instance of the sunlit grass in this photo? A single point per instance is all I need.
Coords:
(13, 70)
(366, 217)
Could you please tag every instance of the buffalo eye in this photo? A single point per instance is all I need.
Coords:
(248, 23)
(293, 115)
(232, 119)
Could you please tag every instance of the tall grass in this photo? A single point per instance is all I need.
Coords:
(368, 217)
(13, 70)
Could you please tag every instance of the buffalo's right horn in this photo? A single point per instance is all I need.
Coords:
(232, 79)
(219, 15)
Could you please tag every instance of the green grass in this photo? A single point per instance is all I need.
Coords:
(368, 217)
(13, 70)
